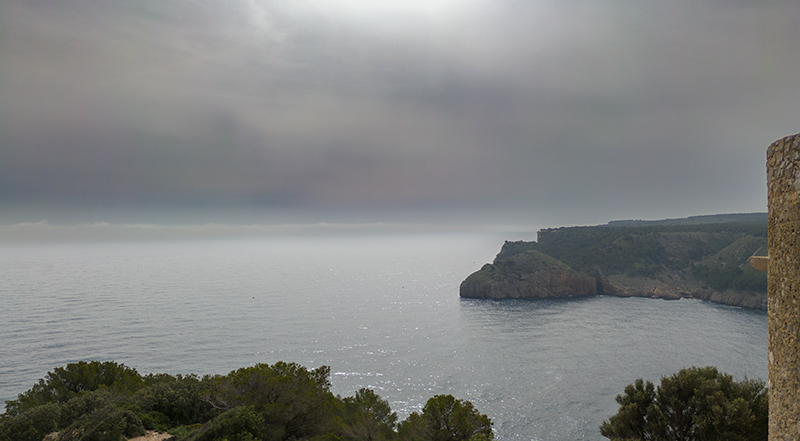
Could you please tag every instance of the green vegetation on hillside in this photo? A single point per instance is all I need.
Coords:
(106, 401)
(691, 256)
(695, 220)
(696, 404)
(517, 265)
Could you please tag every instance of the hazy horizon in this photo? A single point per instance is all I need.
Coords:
(103, 231)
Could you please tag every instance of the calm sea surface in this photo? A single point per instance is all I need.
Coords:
(382, 311)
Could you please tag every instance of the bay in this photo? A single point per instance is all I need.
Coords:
(382, 310)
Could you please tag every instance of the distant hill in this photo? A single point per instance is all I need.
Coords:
(702, 256)
(693, 220)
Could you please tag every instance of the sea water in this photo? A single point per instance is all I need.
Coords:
(382, 311)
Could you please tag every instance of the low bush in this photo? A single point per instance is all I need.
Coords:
(284, 401)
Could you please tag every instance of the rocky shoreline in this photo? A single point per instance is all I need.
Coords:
(533, 275)
(702, 257)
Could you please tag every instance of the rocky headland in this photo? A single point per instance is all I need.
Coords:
(682, 258)
(528, 275)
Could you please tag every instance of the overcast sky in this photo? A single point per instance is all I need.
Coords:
(554, 112)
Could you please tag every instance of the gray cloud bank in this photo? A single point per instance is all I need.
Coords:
(584, 110)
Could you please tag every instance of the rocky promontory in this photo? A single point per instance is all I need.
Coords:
(666, 260)
(529, 275)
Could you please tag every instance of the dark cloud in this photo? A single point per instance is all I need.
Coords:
(577, 111)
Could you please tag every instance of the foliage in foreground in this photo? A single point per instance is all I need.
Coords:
(696, 404)
(106, 401)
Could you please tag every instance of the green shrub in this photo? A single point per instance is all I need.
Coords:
(65, 383)
(84, 404)
(238, 424)
(31, 425)
(445, 418)
(180, 401)
(294, 401)
(154, 420)
(284, 401)
(110, 423)
(696, 404)
(367, 417)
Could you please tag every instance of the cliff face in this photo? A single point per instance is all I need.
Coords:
(706, 261)
(650, 289)
(749, 300)
(537, 285)
(529, 275)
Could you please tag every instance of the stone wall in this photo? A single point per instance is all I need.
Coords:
(783, 186)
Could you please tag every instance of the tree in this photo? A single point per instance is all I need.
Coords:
(238, 424)
(31, 425)
(175, 401)
(696, 404)
(445, 418)
(294, 401)
(111, 423)
(68, 382)
(368, 417)
(283, 402)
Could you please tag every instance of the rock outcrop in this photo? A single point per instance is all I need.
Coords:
(746, 299)
(638, 287)
(533, 275)
(529, 275)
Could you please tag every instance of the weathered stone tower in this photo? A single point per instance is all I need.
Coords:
(783, 269)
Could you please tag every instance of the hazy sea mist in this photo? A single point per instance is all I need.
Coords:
(382, 310)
